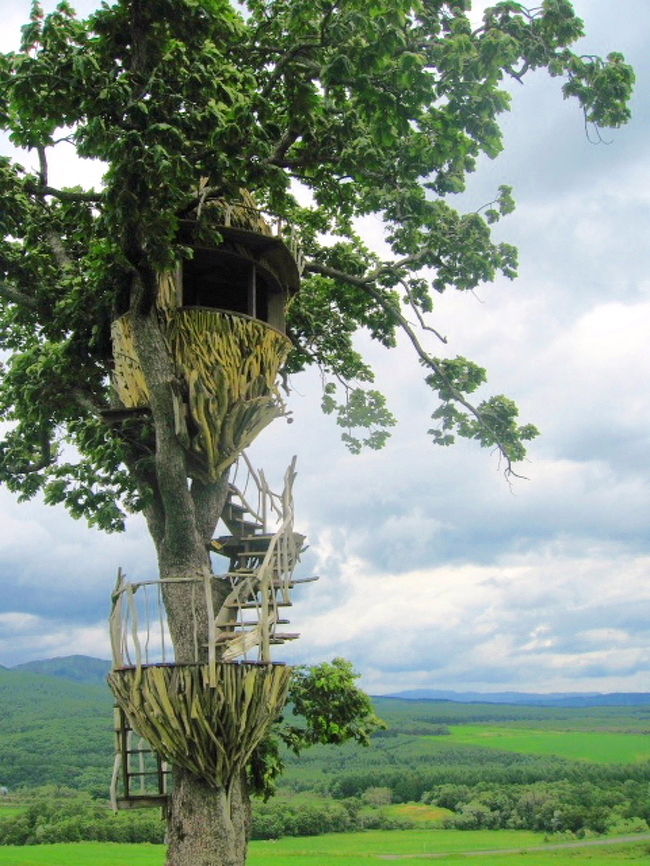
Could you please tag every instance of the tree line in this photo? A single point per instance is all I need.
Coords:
(53, 814)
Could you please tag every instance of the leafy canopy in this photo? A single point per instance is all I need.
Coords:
(328, 707)
(326, 111)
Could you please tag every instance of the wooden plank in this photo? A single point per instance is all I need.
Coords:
(252, 605)
(280, 584)
(141, 801)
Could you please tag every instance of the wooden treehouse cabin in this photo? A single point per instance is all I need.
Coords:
(223, 319)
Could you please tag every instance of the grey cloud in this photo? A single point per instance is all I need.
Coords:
(541, 550)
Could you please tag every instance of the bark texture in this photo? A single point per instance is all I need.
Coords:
(207, 826)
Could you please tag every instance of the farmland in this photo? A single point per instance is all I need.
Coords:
(358, 849)
(444, 781)
(600, 747)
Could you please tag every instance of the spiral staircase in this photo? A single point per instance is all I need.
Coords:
(260, 571)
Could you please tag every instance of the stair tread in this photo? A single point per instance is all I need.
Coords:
(292, 581)
(249, 623)
(247, 605)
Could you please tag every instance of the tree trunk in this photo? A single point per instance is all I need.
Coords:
(207, 826)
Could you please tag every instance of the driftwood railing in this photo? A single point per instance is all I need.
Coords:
(262, 558)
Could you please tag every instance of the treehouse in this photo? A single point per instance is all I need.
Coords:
(208, 715)
(222, 319)
(223, 311)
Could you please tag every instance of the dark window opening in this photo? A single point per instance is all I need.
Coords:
(261, 297)
(213, 279)
(226, 281)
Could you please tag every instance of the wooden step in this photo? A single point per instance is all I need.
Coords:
(278, 584)
(138, 801)
(252, 622)
(229, 541)
(262, 536)
(247, 605)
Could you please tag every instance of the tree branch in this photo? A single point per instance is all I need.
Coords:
(388, 305)
(17, 297)
(206, 194)
(83, 400)
(65, 194)
(421, 320)
(55, 242)
(417, 259)
(281, 149)
(293, 52)
(46, 455)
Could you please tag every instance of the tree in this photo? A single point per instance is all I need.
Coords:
(324, 111)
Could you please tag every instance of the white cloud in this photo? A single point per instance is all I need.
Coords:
(24, 637)
(530, 615)
(433, 571)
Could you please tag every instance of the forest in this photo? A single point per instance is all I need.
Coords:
(464, 766)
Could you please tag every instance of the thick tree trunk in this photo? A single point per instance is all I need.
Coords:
(207, 826)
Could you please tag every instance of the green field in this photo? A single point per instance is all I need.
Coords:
(353, 849)
(418, 813)
(600, 747)
(8, 811)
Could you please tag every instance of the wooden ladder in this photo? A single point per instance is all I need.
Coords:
(140, 776)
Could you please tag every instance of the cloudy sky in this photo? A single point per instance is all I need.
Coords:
(435, 572)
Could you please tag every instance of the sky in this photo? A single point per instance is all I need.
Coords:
(435, 572)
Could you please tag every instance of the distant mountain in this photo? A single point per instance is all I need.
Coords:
(54, 731)
(557, 699)
(78, 668)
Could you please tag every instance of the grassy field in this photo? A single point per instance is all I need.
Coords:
(601, 747)
(418, 813)
(353, 849)
(8, 811)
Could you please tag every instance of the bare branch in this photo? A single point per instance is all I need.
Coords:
(54, 240)
(206, 194)
(42, 161)
(283, 146)
(422, 321)
(518, 74)
(417, 259)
